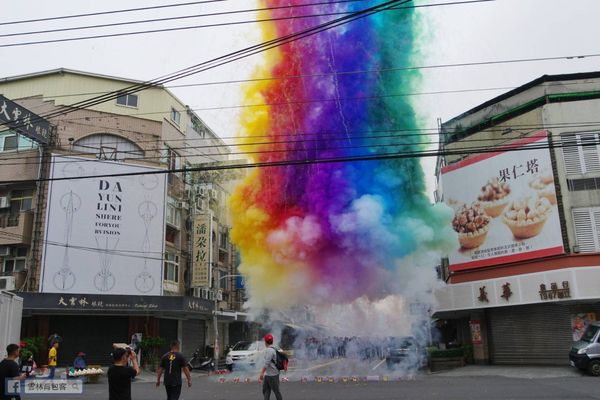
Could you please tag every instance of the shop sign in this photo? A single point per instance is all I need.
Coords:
(554, 293)
(506, 292)
(483, 296)
(475, 331)
(23, 121)
(81, 302)
(202, 245)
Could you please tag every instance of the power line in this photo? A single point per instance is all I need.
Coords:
(127, 10)
(463, 64)
(327, 160)
(233, 56)
(123, 253)
(222, 24)
(319, 138)
(144, 21)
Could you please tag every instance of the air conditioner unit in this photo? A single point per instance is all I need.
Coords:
(205, 293)
(4, 202)
(219, 295)
(4, 251)
(201, 204)
(7, 283)
(197, 292)
(200, 191)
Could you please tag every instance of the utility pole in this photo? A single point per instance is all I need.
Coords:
(215, 317)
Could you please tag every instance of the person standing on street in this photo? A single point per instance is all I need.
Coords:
(171, 364)
(269, 375)
(52, 359)
(120, 374)
(9, 369)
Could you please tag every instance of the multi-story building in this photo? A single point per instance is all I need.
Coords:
(99, 259)
(522, 172)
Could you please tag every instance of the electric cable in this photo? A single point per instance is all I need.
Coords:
(233, 56)
(326, 160)
(213, 14)
(339, 137)
(181, 28)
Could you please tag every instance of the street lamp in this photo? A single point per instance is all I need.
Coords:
(215, 319)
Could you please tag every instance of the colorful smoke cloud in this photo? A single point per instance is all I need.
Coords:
(331, 233)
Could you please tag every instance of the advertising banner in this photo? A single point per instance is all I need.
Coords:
(580, 322)
(104, 235)
(201, 250)
(505, 205)
(475, 326)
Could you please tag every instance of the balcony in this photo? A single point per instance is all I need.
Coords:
(16, 228)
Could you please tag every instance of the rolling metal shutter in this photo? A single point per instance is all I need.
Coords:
(537, 334)
(192, 336)
(94, 335)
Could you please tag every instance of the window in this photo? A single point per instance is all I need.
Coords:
(171, 272)
(21, 200)
(129, 100)
(173, 212)
(17, 262)
(175, 116)
(11, 141)
(587, 228)
(223, 281)
(172, 159)
(224, 239)
(107, 146)
(581, 153)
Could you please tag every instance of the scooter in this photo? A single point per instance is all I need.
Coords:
(200, 363)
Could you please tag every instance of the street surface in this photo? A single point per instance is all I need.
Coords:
(473, 382)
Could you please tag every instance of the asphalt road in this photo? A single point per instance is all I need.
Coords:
(421, 387)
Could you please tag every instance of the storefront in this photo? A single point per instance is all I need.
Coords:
(91, 323)
(524, 319)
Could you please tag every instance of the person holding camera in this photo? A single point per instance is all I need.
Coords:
(172, 364)
(120, 374)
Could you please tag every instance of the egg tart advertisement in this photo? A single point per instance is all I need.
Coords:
(504, 205)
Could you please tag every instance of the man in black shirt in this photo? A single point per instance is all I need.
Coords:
(9, 369)
(120, 374)
(172, 364)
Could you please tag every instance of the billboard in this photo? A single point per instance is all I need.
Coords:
(25, 122)
(104, 235)
(504, 205)
(202, 255)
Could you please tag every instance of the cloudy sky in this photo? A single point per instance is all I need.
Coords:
(498, 30)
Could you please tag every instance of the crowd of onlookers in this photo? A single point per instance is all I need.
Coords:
(363, 348)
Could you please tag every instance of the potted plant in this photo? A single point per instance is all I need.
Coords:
(149, 346)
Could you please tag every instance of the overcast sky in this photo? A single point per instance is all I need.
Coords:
(499, 30)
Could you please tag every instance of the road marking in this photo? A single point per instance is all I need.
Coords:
(323, 365)
(378, 364)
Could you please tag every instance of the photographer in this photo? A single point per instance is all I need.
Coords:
(120, 375)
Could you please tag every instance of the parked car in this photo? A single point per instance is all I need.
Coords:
(248, 353)
(405, 353)
(585, 353)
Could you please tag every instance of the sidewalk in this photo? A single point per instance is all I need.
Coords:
(508, 371)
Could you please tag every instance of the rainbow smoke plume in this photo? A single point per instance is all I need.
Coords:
(332, 233)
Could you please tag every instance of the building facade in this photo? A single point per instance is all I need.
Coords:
(521, 172)
(100, 259)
